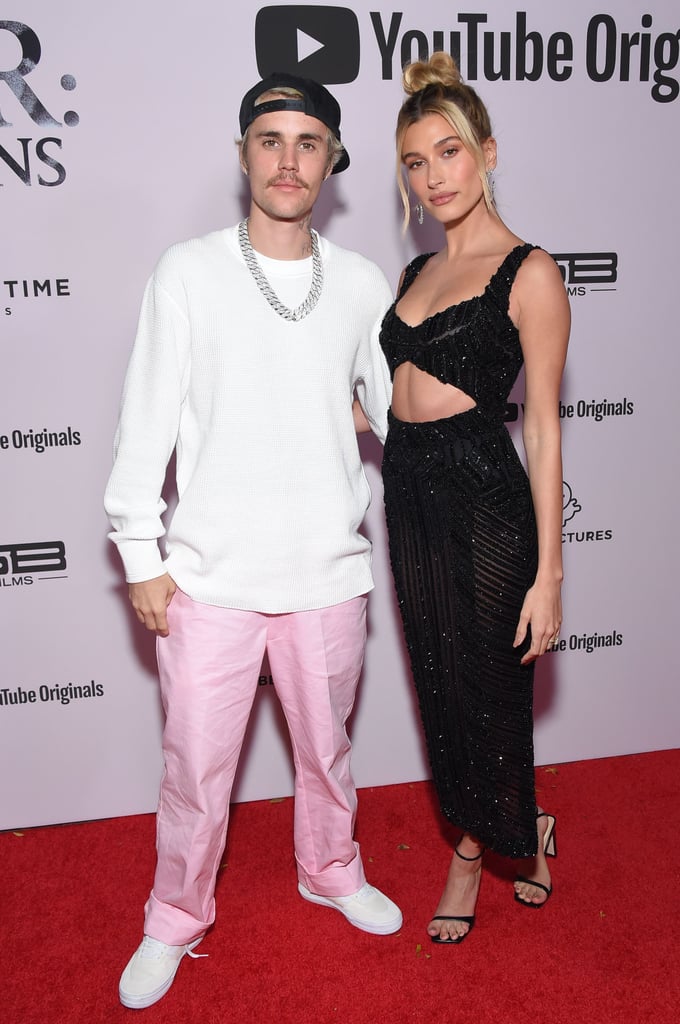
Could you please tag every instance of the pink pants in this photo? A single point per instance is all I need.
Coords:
(209, 667)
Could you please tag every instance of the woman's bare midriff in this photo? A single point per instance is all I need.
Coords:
(418, 397)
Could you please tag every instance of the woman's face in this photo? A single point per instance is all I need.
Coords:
(441, 172)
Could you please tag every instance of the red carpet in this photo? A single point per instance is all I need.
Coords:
(604, 950)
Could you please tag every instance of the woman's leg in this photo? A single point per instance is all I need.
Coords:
(455, 911)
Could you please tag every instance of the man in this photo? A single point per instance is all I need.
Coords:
(252, 344)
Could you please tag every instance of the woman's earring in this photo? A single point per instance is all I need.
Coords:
(491, 184)
(420, 213)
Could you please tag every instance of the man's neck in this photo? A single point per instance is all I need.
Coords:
(279, 239)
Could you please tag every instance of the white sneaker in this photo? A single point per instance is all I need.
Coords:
(151, 972)
(368, 909)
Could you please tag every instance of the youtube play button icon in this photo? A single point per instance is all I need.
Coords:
(313, 42)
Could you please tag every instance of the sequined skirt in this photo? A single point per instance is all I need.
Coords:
(463, 548)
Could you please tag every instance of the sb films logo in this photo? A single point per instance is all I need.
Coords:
(313, 42)
(31, 161)
(20, 562)
(588, 271)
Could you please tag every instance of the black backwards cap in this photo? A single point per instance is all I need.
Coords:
(315, 101)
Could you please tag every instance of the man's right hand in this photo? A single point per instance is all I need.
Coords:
(150, 601)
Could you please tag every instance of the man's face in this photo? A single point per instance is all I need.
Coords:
(286, 160)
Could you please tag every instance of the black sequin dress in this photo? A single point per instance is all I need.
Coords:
(463, 548)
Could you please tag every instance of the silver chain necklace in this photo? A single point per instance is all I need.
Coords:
(263, 284)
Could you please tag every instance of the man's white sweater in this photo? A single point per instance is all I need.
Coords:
(271, 489)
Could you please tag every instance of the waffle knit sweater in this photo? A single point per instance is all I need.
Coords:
(271, 489)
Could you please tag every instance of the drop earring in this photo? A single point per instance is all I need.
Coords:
(491, 185)
(420, 213)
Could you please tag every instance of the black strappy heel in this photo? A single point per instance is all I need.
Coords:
(550, 850)
(447, 917)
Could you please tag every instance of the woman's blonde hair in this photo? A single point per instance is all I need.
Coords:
(436, 87)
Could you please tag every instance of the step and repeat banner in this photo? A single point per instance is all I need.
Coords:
(117, 131)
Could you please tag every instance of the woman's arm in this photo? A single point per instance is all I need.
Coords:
(543, 317)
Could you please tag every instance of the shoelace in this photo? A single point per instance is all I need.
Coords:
(154, 949)
(364, 893)
(361, 896)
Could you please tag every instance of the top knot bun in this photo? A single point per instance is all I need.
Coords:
(441, 69)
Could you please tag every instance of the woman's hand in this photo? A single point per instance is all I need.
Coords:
(542, 611)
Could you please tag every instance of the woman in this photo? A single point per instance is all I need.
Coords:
(475, 543)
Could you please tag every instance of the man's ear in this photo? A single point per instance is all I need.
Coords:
(242, 158)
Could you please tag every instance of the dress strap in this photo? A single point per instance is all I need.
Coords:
(412, 270)
(502, 281)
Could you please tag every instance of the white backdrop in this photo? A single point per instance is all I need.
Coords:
(116, 139)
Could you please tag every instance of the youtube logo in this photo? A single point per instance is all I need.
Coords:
(314, 42)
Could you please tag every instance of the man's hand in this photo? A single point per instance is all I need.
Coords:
(150, 601)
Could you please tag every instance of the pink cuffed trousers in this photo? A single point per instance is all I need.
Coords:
(209, 667)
